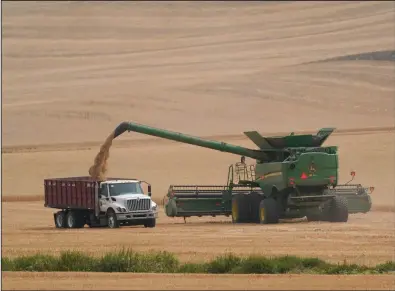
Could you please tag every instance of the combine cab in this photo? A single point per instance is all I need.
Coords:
(294, 176)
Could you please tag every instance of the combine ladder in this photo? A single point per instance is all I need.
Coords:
(241, 174)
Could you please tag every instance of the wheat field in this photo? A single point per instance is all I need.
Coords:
(72, 71)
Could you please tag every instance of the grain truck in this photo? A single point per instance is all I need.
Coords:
(113, 202)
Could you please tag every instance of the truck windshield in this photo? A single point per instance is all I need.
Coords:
(117, 189)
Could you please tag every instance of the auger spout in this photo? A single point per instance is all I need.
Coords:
(180, 137)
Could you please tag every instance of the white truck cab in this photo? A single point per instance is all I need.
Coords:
(125, 203)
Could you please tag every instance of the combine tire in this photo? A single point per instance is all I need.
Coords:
(150, 223)
(254, 200)
(314, 217)
(112, 221)
(268, 211)
(240, 208)
(74, 220)
(338, 210)
(60, 219)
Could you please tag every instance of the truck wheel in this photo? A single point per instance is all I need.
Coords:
(150, 223)
(338, 210)
(74, 220)
(112, 220)
(268, 211)
(60, 219)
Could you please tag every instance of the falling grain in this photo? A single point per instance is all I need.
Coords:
(99, 169)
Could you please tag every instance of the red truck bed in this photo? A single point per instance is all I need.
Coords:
(71, 192)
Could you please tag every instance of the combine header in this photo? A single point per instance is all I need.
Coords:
(294, 176)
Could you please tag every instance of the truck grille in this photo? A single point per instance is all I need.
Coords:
(139, 204)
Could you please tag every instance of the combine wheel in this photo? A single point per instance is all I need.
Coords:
(338, 210)
(317, 215)
(314, 217)
(60, 219)
(74, 220)
(268, 211)
(239, 208)
(254, 202)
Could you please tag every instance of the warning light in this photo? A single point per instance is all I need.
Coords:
(332, 179)
(292, 181)
(303, 176)
(352, 173)
(371, 189)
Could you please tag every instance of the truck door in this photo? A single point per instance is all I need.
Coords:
(104, 197)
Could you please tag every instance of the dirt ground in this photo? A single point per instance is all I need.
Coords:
(100, 281)
(73, 71)
(366, 238)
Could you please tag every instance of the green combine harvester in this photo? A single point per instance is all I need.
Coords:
(294, 176)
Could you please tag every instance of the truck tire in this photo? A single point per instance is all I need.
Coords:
(240, 208)
(74, 220)
(112, 221)
(268, 211)
(60, 219)
(150, 222)
(338, 210)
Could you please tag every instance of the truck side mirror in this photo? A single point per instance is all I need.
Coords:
(149, 191)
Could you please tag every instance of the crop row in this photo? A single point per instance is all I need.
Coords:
(165, 262)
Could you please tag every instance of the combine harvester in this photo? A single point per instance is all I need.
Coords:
(294, 176)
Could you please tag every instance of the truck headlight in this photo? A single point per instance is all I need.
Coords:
(121, 209)
(154, 207)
